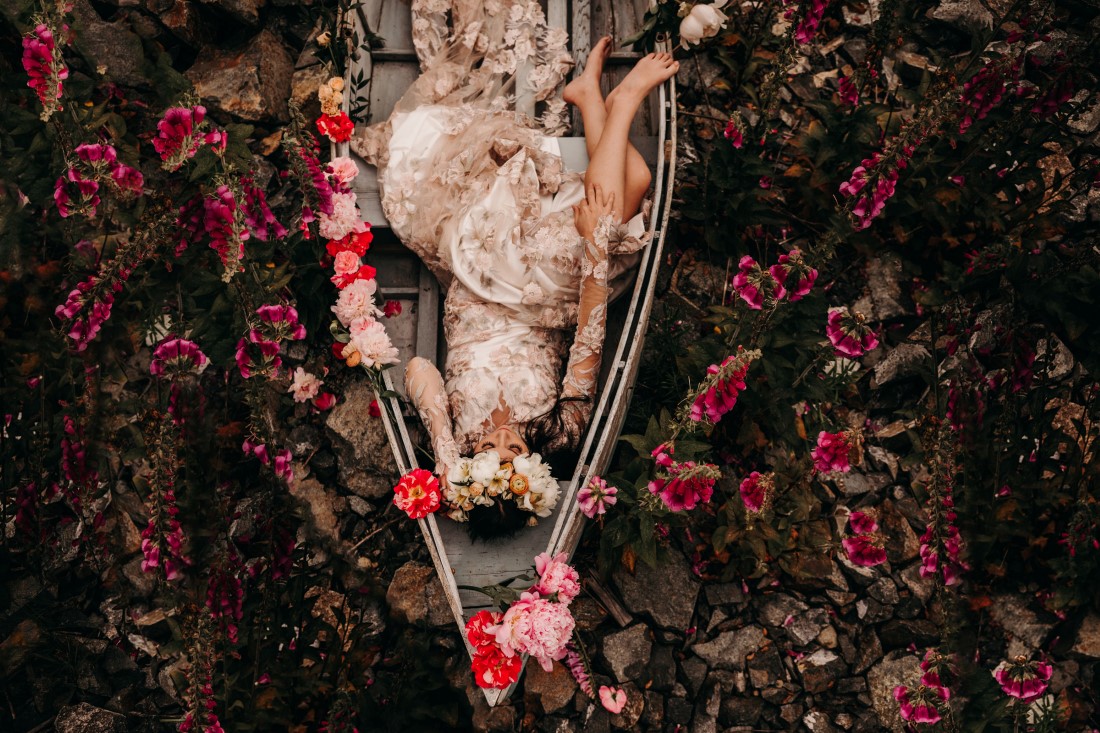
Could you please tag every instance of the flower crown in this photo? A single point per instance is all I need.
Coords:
(482, 479)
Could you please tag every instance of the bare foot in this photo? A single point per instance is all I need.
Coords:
(650, 71)
(587, 84)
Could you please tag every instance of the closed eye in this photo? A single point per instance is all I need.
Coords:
(517, 448)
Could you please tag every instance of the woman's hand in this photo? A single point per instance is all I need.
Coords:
(589, 211)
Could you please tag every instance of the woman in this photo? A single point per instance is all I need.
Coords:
(524, 249)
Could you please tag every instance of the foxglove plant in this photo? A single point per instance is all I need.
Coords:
(45, 66)
(717, 394)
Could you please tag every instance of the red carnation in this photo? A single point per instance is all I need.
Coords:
(493, 669)
(357, 242)
(475, 628)
(417, 493)
(337, 127)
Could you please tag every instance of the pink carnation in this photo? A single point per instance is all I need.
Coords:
(305, 385)
(370, 339)
(356, 302)
(535, 626)
(346, 262)
(556, 576)
(344, 170)
(344, 218)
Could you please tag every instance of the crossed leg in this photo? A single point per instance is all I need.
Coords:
(613, 163)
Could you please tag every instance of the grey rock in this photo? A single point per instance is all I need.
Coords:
(871, 611)
(724, 594)
(818, 722)
(1053, 350)
(791, 712)
(85, 718)
(705, 719)
(898, 633)
(363, 453)
(729, 649)
(182, 19)
(1087, 642)
(677, 712)
(781, 694)
(902, 543)
(662, 669)
(631, 713)
(554, 724)
(695, 672)
(717, 617)
(666, 592)
(969, 14)
(883, 282)
(869, 650)
(415, 595)
(856, 483)
(828, 637)
(921, 587)
(884, 591)
(654, 715)
(904, 360)
(821, 670)
(844, 720)
(774, 608)
(1012, 613)
(24, 639)
(897, 668)
(805, 627)
(246, 11)
(766, 668)
(113, 47)
(627, 652)
(738, 710)
(851, 685)
(252, 83)
(360, 506)
(553, 690)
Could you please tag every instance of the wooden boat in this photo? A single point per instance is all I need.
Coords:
(401, 276)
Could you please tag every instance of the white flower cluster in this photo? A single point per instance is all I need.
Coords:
(482, 479)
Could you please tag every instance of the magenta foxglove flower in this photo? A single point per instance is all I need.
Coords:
(753, 283)
(756, 491)
(861, 523)
(177, 356)
(734, 132)
(848, 333)
(815, 10)
(921, 705)
(1023, 679)
(178, 135)
(73, 193)
(848, 91)
(793, 277)
(45, 68)
(833, 452)
(864, 550)
(596, 497)
(686, 485)
(226, 229)
(718, 392)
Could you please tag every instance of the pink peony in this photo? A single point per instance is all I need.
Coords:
(613, 699)
(756, 491)
(356, 302)
(305, 385)
(864, 550)
(794, 279)
(1022, 679)
(832, 452)
(848, 333)
(556, 576)
(370, 339)
(753, 283)
(596, 497)
(535, 626)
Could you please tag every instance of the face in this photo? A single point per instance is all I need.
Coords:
(505, 441)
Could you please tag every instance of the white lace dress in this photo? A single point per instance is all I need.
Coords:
(480, 194)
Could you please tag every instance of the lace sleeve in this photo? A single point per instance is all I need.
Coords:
(583, 368)
(424, 385)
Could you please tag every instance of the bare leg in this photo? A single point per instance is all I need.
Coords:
(584, 93)
(607, 165)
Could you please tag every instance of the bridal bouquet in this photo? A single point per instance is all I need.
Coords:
(483, 479)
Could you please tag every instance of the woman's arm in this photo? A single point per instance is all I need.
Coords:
(424, 385)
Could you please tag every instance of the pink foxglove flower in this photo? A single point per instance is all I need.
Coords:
(864, 550)
(596, 496)
(984, 91)
(883, 183)
(613, 699)
(734, 131)
(756, 491)
(686, 485)
(753, 283)
(861, 523)
(225, 225)
(177, 356)
(283, 320)
(848, 333)
(178, 135)
(556, 576)
(45, 68)
(575, 664)
(793, 277)
(305, 385)
(1023, 679)
(75, 194)
(848, 91)
(257, 214)
(921, 705)
(718, 392)
(814, 11)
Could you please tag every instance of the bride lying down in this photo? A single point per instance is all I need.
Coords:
(524, 248)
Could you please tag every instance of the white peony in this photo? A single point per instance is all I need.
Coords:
(484, 466)
(704, 21)
(460, 472)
